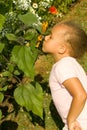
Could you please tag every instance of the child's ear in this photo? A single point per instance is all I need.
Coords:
(61, 49)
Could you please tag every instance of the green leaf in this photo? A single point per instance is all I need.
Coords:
(11, 67)
(4, 88)
(28, 18)
(30, 97)
(1, 97)
(4, 7)
(0, 114)
(6, 73)
(29, 35)
(11, 37)
(1, 47)
(39, 28)
(24, 59)
(2, 21)
(16, 72)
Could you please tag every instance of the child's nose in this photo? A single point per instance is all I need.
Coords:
(47, 37)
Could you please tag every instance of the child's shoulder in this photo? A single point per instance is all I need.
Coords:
(66, 61)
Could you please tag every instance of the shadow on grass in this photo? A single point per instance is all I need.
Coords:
(37, 120)
(56, 116)
(8, 125)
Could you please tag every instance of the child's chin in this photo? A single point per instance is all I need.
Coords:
(43, 49)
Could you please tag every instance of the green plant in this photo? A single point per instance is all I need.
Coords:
(63, 5)
(22, 27)
(18, 56)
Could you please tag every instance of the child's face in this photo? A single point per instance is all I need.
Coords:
(54, 40)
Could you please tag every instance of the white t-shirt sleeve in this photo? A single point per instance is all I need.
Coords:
(65, 70)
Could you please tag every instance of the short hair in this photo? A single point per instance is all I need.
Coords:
(77, 38)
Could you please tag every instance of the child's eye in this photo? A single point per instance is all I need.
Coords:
(50, 36)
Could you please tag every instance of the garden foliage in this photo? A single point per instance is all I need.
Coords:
(23, 23)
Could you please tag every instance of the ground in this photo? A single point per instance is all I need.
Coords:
(43, 66)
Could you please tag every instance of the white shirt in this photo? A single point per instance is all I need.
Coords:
(64, 69)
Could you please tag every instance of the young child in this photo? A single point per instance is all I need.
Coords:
(68, 80)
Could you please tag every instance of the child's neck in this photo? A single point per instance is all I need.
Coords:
(59, 57)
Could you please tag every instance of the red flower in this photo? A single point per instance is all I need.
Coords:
(53, 10)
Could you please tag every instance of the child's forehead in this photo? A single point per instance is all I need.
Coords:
(61, 29)
(57, 29)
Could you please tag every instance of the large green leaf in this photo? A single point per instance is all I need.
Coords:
(2, 20)
(28, 18)
(30, 97)
(24, 59)
(1, 47)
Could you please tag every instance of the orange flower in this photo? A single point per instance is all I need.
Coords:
(44, 26)
(40, 38)
(37, 45)
(53, 10)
